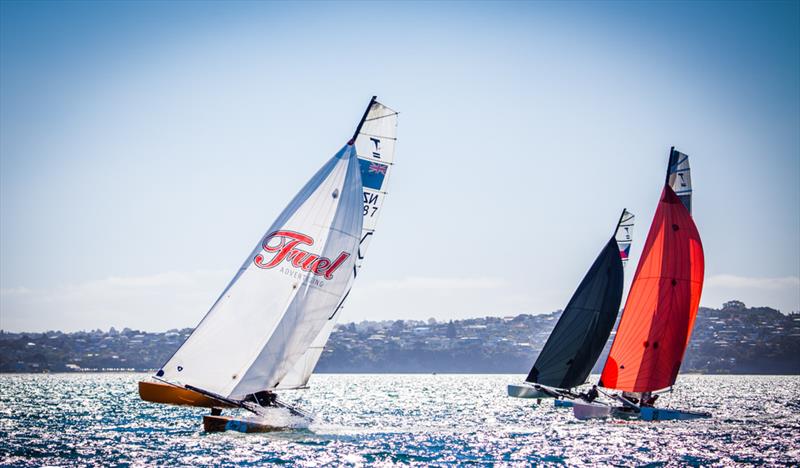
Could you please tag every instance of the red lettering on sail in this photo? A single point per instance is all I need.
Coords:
(286, 246)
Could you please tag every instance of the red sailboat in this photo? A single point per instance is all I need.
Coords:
(659, 314)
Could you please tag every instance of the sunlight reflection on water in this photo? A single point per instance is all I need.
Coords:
(88, 419)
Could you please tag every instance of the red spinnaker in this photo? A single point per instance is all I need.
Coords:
(662, 304)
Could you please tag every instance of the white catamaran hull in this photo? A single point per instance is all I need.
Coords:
(526, 391)
(584, 411)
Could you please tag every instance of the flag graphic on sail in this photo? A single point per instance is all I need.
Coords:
(578, 338)
(375, 143)
(662, 304)
(284, 292)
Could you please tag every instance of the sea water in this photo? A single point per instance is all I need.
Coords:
(98, 419)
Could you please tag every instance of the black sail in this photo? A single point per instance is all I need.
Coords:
(583, 329)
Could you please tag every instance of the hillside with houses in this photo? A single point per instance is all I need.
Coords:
(732, 339)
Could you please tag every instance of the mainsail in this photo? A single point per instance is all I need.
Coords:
(583, 329)
(662, 304)
(375, 143)
(284, 293)
(624, 236)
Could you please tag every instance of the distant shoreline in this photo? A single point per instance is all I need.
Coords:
(733, 340)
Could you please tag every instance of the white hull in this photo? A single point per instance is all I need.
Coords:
(526, 391)
(585, 411)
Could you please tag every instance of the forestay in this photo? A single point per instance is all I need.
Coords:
(375, 144)
(583, 329)
(283, 294)
(662, 304)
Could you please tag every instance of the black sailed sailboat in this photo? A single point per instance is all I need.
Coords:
(581, 333)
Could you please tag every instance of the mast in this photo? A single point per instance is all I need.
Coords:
(670, 163)
(361, 122)
(622, 215)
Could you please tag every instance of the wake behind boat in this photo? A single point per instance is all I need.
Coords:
(578, 338)
(267, 329)
(659, 314)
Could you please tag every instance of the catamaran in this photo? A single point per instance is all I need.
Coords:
(662, 304)
(581, 332)
(267, 329)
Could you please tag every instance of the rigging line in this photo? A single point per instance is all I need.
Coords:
(341, 303)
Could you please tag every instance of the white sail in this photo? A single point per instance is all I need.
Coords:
(375, 144)
(283, 294)
(679, 177)
(624, 235)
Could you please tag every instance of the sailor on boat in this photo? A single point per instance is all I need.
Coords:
(265, 399)
(591, 395)
(632, 397)
(648, 399)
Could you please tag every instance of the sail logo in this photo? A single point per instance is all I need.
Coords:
(285, 246)
(376, 153)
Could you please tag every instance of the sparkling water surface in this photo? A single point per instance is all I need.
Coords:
(98, 419)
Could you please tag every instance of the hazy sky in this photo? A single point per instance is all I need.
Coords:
(145, 147)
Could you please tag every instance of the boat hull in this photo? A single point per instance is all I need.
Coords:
(526, 391)
(584, 411)
(598, 410)
(563, 403)
(666, 414)
(157, 392)
(226, 423)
